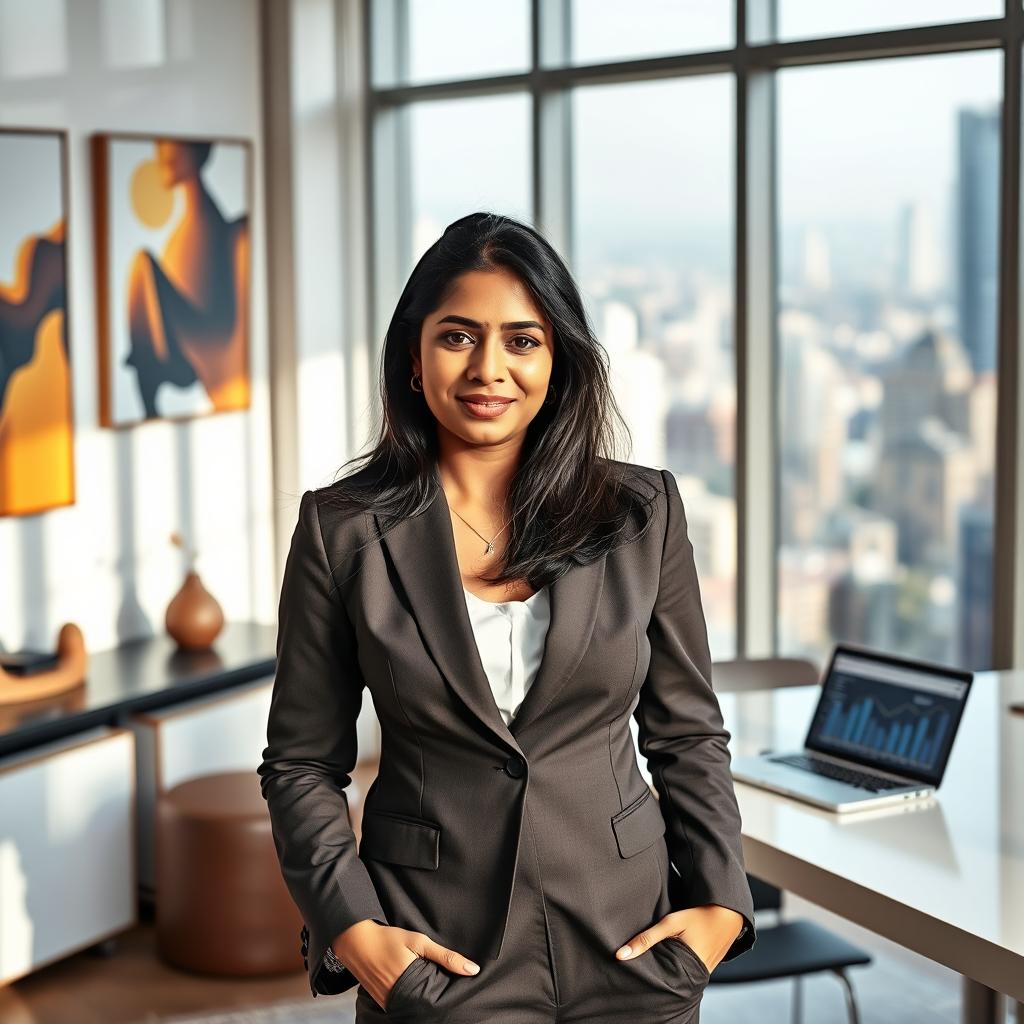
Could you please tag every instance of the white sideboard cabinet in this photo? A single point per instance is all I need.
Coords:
(67, 847)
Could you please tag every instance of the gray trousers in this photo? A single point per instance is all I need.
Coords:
(551, 970)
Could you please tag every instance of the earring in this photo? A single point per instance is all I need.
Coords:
(412, 382)
(552, 394)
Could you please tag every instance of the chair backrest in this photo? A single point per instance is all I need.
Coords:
(766, 896)
(739, 674)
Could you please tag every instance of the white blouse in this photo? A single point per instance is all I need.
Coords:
(510, 636)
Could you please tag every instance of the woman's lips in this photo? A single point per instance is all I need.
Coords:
(485, 410)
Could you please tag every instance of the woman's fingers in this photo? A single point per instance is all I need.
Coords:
(416, 946)
(448, 958)
(640, 943)
(673, 924)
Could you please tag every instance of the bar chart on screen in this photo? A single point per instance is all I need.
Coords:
(905, 725)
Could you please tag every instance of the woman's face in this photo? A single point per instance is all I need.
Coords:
(488, 338)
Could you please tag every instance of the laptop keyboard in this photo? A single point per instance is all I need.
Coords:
(864, 780)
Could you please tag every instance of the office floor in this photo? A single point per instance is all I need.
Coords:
(132, 986)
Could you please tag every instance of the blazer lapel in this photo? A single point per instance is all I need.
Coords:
(422, 549)
(575, 598)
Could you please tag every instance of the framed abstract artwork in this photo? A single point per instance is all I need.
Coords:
(36, 399)
(173, 281)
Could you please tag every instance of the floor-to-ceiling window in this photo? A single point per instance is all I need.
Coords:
(655, 265)
(888, 223)
(626, 135)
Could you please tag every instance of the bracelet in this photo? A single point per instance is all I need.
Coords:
(331, 961)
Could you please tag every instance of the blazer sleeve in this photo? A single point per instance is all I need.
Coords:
(681, 735)
(311, 749)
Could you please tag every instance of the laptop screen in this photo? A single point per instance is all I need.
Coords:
(890, 713)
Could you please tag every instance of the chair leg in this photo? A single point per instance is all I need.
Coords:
(798, 999)
(851, 1003)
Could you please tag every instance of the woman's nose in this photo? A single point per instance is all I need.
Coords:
(488, 358)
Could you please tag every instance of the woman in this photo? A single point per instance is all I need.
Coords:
(509, 843)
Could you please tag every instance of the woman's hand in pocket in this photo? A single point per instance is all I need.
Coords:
(377, 954)
(709, 931)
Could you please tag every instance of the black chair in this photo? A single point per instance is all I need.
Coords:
(791, 949)
(785, 949)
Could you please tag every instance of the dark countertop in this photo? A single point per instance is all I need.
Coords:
(140, 675)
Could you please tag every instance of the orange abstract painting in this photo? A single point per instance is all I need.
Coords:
(172, 223)
(36, 410)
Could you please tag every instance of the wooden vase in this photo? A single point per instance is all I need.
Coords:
(194, 618)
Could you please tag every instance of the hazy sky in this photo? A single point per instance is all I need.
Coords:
(459, 38)
(856, 141)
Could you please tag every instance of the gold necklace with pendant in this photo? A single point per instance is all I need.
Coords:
(490, 543)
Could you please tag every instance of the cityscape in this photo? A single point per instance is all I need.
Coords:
(885, 359)
(886, 391)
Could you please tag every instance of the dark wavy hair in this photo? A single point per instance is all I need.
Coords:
(569, 500)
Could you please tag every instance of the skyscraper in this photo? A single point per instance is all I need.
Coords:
(977, 234)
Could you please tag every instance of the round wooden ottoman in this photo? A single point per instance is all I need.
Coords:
(221, 904)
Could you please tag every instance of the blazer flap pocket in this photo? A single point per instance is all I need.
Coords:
(638, 825)
(400, 839)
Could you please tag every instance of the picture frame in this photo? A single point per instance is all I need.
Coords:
(174, 288)
(37, 464)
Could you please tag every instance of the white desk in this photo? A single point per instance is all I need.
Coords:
(943, 877)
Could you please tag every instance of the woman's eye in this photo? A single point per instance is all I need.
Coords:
(534, 343)
(453, 337)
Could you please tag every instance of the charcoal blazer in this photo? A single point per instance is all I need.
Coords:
(441, 821)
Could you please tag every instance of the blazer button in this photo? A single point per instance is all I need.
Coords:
(515, 766)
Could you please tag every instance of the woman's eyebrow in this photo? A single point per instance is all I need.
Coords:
(512, 325)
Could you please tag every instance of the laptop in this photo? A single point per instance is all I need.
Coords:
(881, 733)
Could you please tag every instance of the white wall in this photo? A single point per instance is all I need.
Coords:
(174, 66)
(325, 363)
